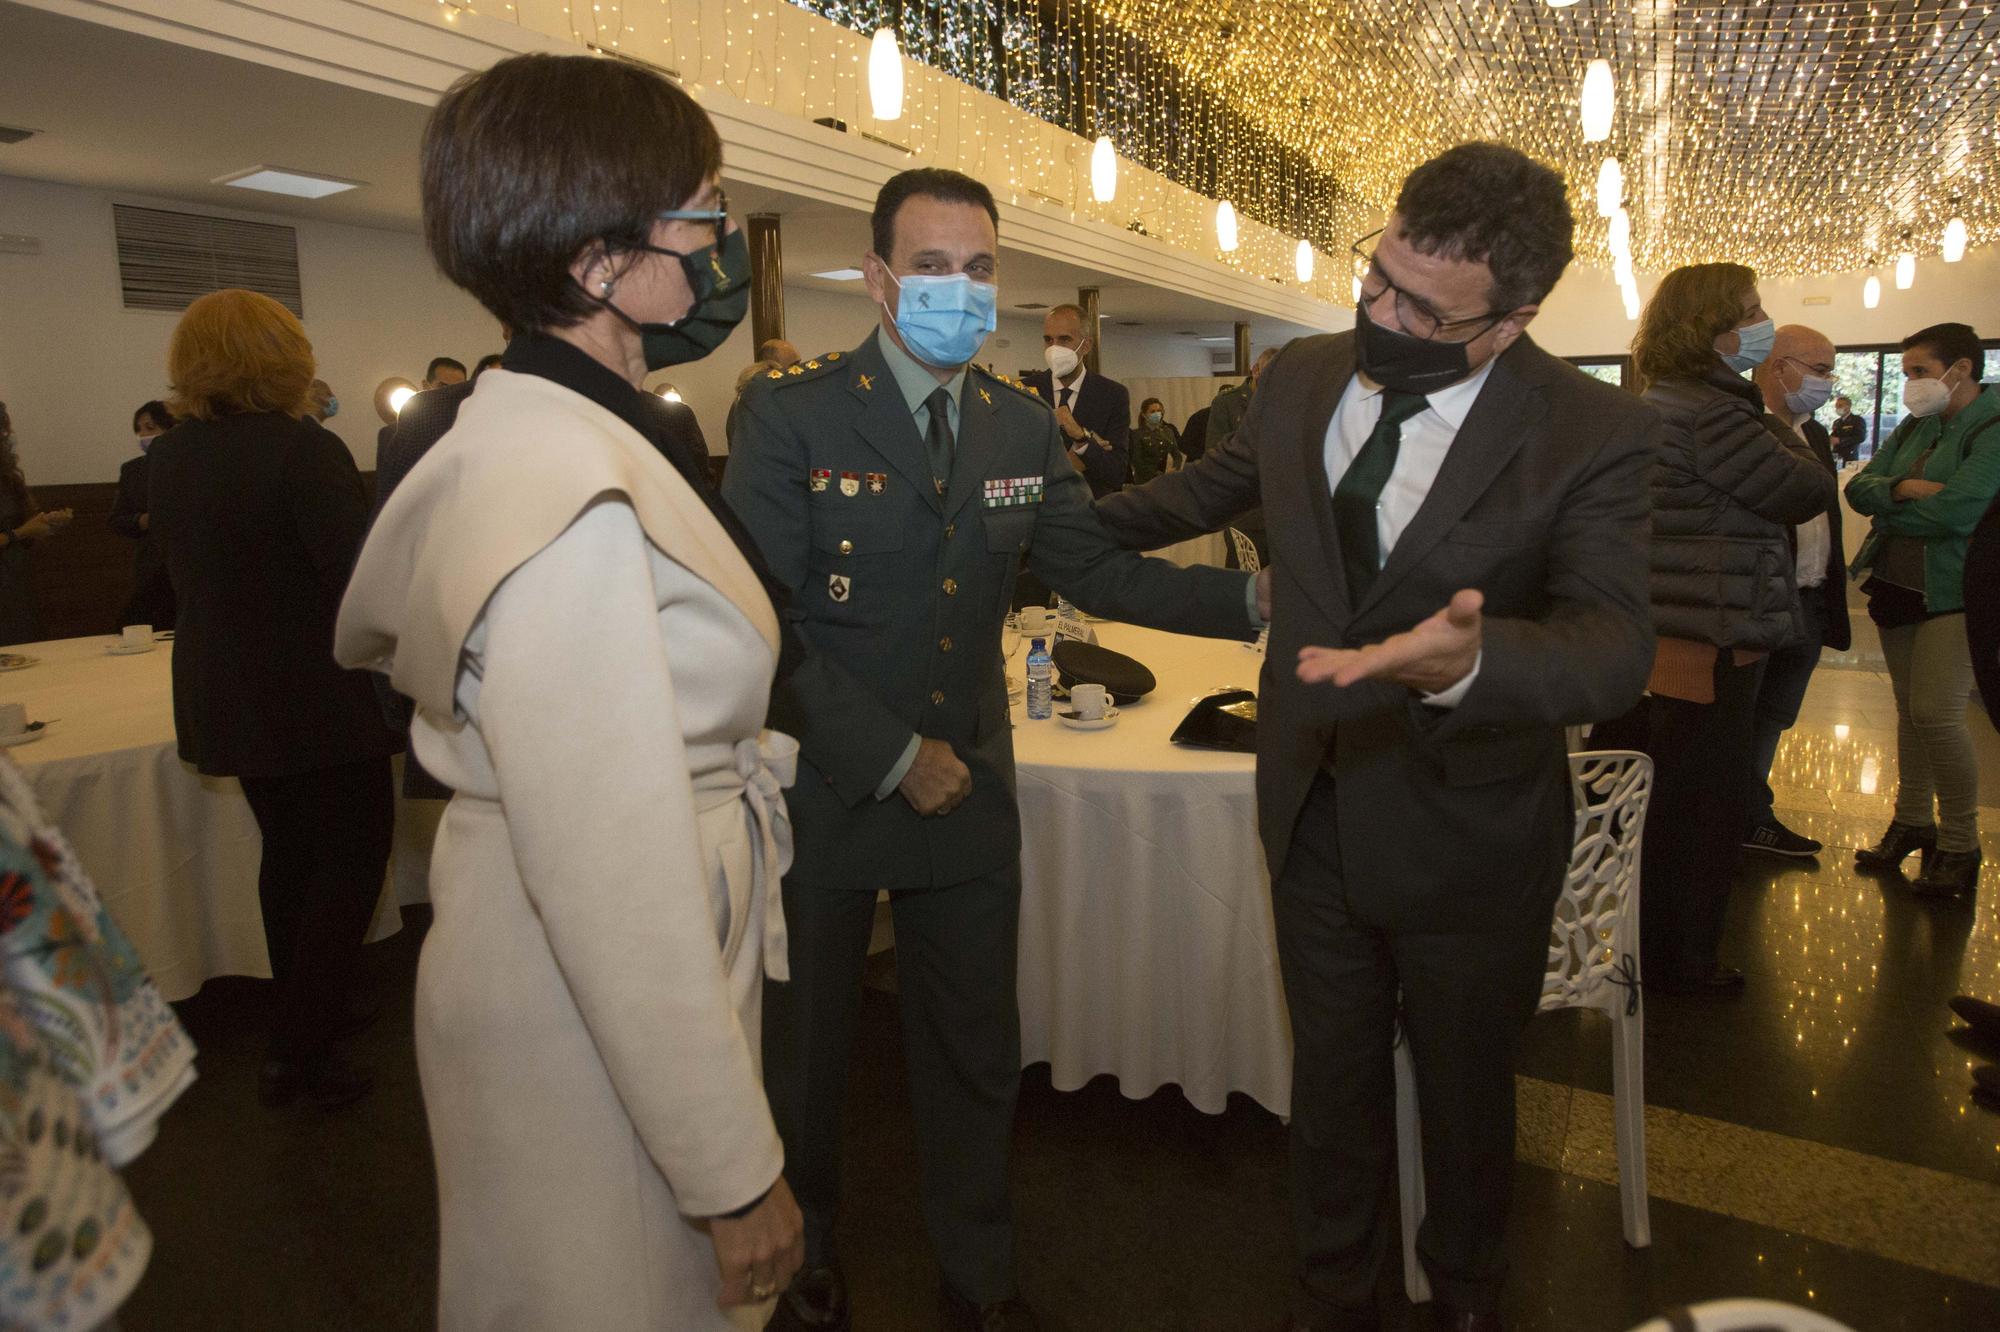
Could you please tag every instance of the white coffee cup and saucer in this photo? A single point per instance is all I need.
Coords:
(1090, 709)
(16, 729)
(132, 640)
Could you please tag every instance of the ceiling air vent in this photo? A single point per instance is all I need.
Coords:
(14, 134)
(167, 260)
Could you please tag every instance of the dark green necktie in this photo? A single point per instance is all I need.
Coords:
(937, 438)
(1360, 491)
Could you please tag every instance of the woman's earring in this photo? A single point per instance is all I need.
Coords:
(605, 286)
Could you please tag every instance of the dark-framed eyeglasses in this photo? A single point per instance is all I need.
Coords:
(717, 216)
(1823, 370)
(1413, 313)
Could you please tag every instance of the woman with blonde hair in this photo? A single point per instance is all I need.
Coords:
(258, 512)
(590, 648)
(1727, 485)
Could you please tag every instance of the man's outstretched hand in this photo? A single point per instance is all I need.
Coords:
(1431, 658)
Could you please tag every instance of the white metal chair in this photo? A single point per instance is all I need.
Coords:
(1593, 947)
(1246, 552)
(1743, 1315)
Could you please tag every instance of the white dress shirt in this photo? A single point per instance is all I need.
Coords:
(1426, 439)
(1815, 537)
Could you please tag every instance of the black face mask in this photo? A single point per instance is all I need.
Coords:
(1409, 365)
(719, 278)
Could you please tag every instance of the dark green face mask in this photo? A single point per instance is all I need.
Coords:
(719, 277)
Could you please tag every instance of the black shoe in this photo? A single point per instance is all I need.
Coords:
(1986, 1100)
(816, 1301)
(957, 1314)
(1895, 847)
(1987, 1078)
(1775, 838)
(1949, 874)
(326, 1084)
(1982, 1017)
(1715, 982)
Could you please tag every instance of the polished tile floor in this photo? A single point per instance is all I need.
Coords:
(1811, 1141)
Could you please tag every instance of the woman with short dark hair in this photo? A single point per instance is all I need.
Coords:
(1924, 492)
(152, 598)
(590, 650)
(258, 512)
(1727, 487)
(22, 523)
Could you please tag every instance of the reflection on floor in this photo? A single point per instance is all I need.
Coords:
(1811, 1141)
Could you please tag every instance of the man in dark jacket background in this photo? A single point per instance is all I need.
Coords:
(1795, 382)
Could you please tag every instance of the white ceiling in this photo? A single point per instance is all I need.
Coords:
(119, 111)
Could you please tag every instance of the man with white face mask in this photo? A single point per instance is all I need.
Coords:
(1795, 381)
(1093, 412)
(1925, 491)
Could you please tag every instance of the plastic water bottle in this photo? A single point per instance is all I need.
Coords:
(1064, 610)
(1041, 673)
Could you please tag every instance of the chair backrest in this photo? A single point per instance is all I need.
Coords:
(1743, 1315)
(1594, 942)
(1246, 552)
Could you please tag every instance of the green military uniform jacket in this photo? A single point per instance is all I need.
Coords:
(1151, 448)
(900, 593)
(1225, 416)
(1966, 461)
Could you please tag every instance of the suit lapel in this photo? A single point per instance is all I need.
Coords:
(885, 422)
(978, 442)
(1329, 588)
(1494, 430)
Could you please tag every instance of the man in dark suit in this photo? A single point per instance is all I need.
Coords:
(1094, 413)
(442, 372)
(1795, 379)
(1194, 436)
(1848, 431)
(1458, 533)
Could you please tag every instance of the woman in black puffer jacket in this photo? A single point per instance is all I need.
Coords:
(1730, 484)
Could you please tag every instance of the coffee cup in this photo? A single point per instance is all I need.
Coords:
(13, 719)
(1037, 622)
(136, 636)
(1089, 701)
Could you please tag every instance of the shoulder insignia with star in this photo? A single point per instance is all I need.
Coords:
(805, 372)
(1014, 384)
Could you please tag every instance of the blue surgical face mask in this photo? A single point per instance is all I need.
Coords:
(332, 408)
(943, 320)
(1753, 345)
(1153, 418)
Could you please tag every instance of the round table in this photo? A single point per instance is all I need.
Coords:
(174, 854)
(1147, 949)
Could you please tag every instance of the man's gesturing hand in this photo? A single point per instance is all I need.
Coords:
(937, 782)
(1432, 657)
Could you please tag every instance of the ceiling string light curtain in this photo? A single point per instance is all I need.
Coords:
(1864, 115)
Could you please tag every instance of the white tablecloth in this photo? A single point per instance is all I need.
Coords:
(1208, 548)
(1147, 949)
(174, 854)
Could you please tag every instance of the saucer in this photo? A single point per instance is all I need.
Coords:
(35, 731)
(15, 661)
(1076, 723)
(119, 648)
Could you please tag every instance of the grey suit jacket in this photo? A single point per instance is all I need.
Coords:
(1449, 820)
(900, 593)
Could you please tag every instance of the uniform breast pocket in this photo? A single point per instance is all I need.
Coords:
(856, 528)
(1008, 530)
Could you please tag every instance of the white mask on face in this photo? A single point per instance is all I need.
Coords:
(1925, 397)
(1062, 360)
(1810, 395)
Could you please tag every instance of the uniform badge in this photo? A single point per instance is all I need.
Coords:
(867, 384)
(850, 484)
(838, 586)
(820, 480)
(878, 483)
(1013, 492)
(986, 397)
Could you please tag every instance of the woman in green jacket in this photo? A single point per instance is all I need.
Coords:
(1156, 446)
(1924, 491)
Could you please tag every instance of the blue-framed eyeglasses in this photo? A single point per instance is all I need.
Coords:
(718, 216)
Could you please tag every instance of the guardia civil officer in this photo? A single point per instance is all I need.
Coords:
(896, 488)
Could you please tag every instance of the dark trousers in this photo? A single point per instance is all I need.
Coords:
(326, 846)
(955, 976)
(1698, 816)
(1463, 1000)
(1787, 675)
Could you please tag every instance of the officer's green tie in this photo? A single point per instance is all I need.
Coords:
(1360, 490)
(937, 439)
